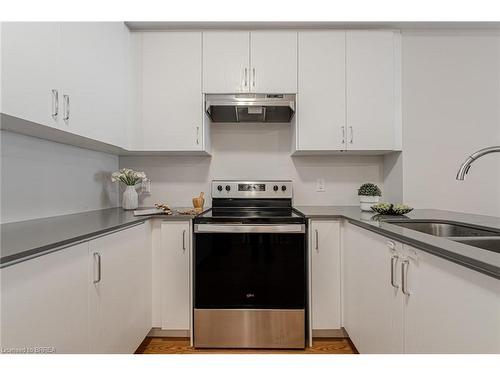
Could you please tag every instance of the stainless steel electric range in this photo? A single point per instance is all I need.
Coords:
(250, 267)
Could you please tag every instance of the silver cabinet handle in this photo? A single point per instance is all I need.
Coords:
(55, 104)
(394, 260)
(253, 81)
(317, 239)
(352, 135)
(184, 240)
(246, 77)
(343, 133)
(97, 257)
(66, 107)
(404, 275)
(197, 135)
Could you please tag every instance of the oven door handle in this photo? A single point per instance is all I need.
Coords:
(249, 228)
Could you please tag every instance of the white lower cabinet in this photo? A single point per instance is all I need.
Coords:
(398, 299)
(44, 303)
(324, 247)
(175, 255)
(451, 308)
(119, 291)
(373, 307)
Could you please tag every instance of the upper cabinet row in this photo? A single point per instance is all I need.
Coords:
(144, 92)
(257, 61)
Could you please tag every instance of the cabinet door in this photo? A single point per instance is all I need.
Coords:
(30, 60)
(92, 69)
(373, 308)
(226, 62)
(273, 62)
(44, 302)
(451, 309)
(172, 102)
(120, 291)
(321, 118)
(175, 247)
(325, 274)
(370, 90)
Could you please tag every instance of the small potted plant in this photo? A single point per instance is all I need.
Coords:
(369, 194)
(130, 178)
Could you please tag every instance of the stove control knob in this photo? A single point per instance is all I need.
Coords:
(219, 187)
(228, 187)
(283, 188)
(275, 187)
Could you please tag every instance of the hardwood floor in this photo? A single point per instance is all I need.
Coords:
(170, 345)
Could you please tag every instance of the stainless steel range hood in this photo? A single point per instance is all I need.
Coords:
(250, 107)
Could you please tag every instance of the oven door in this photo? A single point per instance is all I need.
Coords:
(239, 266)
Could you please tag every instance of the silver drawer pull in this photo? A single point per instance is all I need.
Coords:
(317, 239)
(404, 277)
(394, 260)
(55, 103)
(66, 107)
(97, 257)
(184, 240)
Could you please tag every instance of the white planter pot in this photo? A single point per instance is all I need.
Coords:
(366, 202)
(130, 199)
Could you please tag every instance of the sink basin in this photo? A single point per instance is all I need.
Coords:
(492, 244)
(444, 229)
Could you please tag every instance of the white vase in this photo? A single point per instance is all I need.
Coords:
(130, 198)
(366, 202)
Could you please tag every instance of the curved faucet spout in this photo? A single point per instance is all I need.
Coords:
(464, 168)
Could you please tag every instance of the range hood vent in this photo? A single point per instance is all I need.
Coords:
(250, 107)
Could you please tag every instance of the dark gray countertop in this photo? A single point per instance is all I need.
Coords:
(487, 262)
(25, 239)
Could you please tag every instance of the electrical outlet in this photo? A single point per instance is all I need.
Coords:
(320, 185)
(146, 186)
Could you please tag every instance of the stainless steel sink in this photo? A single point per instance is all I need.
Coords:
(492, 244)
(444, 229)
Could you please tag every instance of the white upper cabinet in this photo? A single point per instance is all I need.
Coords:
(68, 75)
(258, 61)
(172, 100)
(349, 97)
(273, 62)
(370, 88)
(92, 68)
(321, 74)
(30, 61)
(226, 62)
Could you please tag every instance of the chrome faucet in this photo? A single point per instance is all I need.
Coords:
(464, 168)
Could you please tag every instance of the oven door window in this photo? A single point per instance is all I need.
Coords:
(250, 270)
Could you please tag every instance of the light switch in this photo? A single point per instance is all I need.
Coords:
(320, 185)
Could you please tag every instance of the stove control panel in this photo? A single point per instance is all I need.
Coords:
(252, 189)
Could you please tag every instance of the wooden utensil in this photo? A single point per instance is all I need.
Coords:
(198, 202)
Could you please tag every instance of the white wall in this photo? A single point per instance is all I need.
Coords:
(41, 178)
(451, 107)
(256, 151)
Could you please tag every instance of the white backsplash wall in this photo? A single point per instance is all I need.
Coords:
(451, 108)
(256, 151)
(42, 178)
